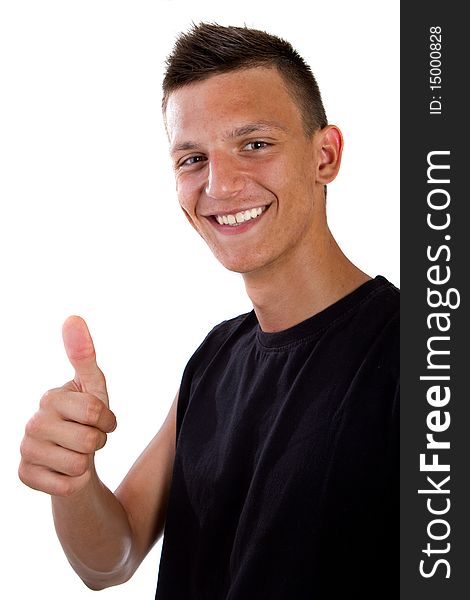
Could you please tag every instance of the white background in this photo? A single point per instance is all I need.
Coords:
(89, 222)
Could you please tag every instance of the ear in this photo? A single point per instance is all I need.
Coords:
(330, 148)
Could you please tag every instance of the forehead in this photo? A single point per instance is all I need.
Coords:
(222, 102)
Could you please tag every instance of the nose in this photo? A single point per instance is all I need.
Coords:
(224, 179)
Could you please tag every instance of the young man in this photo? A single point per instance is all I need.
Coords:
(276, 470)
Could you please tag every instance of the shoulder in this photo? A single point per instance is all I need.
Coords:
(366, 332)
(384, 296)
(378, 312)
(385, 308)
(222, 338)
(383, 311)
(220, 335)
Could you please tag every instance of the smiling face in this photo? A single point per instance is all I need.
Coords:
(248, 178)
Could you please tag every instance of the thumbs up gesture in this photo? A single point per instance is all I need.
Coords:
(60, 441)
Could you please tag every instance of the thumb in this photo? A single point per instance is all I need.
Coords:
(81, 353)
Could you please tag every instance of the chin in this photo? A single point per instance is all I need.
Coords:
(243, 257)
(234, 266)
(241, 264)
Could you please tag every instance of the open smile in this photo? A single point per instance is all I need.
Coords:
(236, 219)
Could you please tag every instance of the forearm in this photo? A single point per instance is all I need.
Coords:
(95, 534)
(105, 536)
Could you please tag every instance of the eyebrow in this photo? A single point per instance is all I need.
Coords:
(254, 127)
(183, 146)
(262, 126)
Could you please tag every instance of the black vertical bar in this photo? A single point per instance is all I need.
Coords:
(435, 552)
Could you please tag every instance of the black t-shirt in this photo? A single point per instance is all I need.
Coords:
(285, 484)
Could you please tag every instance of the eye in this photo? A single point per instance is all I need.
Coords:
(191, 160)
(256, 145)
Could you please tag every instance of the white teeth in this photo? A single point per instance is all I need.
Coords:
(240, 217)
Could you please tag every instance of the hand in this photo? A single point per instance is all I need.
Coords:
(57, 451)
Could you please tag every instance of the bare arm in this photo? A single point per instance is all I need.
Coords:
(104, 535)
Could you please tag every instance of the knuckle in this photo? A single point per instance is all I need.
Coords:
(28, 474)
(47, 399)
(78, 465)
(23, 473)
(101, 441)
(25, 449)
(34, 425)
(93, 410)
(90, 440)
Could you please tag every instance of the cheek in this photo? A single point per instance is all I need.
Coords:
(295, 183)
(189, 188)
(283, 177)
(186, 196)
(273, 175)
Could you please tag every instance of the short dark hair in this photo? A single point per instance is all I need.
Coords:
(210, 49)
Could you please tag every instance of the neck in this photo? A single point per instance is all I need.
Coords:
(298, 286)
